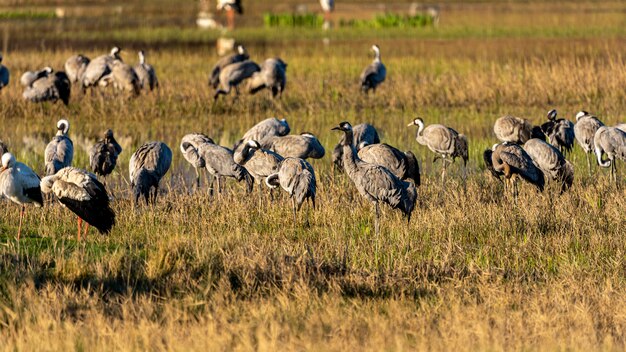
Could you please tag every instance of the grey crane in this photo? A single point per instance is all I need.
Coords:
(444, 141)
(81, 192)
(20, 184)
(263, 132)
(123, 78)
(146, 73)
(240, 56)
(584, 131)
(374, 74)
(3, 148)
(147, 166)
(100, 67)
(60, 151)
(560, 132)
(296, 177)
(303, 146)
(232, 75)
(516, 130)
(201, 152)
(273, 75)
(259, 162)
(4, 75)
(362, 132)
(374, 182)
(75, 68)
(103, 155)
(551, 162)
(29, 77)
(402, 164)
(51, 87)
(612, 142)
(511, 161)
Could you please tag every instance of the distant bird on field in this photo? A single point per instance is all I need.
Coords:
(327, 6)
(374, 74)
(20, 184)
(303, 146)
(103, 155)
(515, 130)
(230, 6)
(511, 161)
(201, 152)
(232, 75)
(551, 162)
(60, 151)
(273, 75)
(82, 193)
(4, 75)
(49, 87)
(363, 132)
(240, 56)
(263, 132)
(146, 73)
(560, 132)
(585, 130)
(75, 68)
(447, 143)
(100, 67)
(296, 177)
(122, 77)
(147, 166)
(374, 182)
(612, 142)
(402, 164)
(3, 148)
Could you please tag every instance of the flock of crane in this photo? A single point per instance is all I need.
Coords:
(268, 154)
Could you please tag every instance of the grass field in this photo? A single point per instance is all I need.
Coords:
(472, 271)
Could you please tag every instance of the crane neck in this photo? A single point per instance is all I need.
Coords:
(349, 157)
(602, 163)
(142, 58)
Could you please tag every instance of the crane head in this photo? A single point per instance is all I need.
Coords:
(7, 160)
(63, 125)
(580, 114)
(343, 126)
(241, 50)
(254, 144)
(552, 114)
(416, 122)
(108, 134)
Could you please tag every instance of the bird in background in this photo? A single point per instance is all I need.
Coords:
(374, 74)
(560, 132)
(585, 130)
(46, 85)
(233, 75)
(231, 7)
(75, 67)
(100, 67)
(374, 182)
(103, 155)
(612, 142)
(20, 184)
(60, 151)
(81, 192)
(296, 177)
(146, 73)
(147, 167)
(273, 76)
(240, 56)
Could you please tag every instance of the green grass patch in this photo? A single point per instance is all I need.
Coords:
(26, 15)
(292, 20)
(391, 20)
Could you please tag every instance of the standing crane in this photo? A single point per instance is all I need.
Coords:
(259, 162)
(273, 75)
(20, 184)
(612, 142)
(239, 56)
(374, 74)
(232, 75)
(147, 166)
(103, 155)
(75, 67)
(585, 131)
(560, 132)
(123, 78)
(82, 193)
(296, 177)
(100, 67)
(511, 161)
(48, 86)
(551, 162)
(375, 182)
(402, 164)
(146, 73)
(60, 151)
(447, 143)
(363, 132)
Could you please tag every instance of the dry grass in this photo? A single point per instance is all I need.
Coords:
(472, 270)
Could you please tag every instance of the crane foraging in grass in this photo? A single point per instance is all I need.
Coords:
(560, 132)
(612, 142)
(402, 164)
(511, 161)
(239, 56)
(585, 131)
(374, 74)
(103, 155)
(60, 151)
(296, 177)
(551, 162)
(147, 166)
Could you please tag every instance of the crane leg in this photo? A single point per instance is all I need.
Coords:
(377, 219)
(19, 228)
(230, 18)
(443, 174)
(156, 194)
(197, 179)
(86, 230)
(588, 164)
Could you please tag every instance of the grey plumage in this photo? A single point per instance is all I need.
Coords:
(201, 152)
(273, 75)
(60, 151)
(374, 182)
(515, 130)
(146, 73)
(621, 126)
(302, 146)
(374, 74)
(263, 132)
(259, 162)
(511, 161)
(240, 56)
(100, 67)
(584, 131)
(363, 132)
(296, 177)
(103, 155)
(122, 77)
(29, 77)
(402, 164)
(560, 132)
(551, 162)
(147, 166)
(612, 142)
(4, 75)
(232, 75)
(20, 184)
(82, 193)
(75, 67)
(50, 87)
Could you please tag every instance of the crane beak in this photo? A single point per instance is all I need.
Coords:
(411, 124)
(336, 129)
